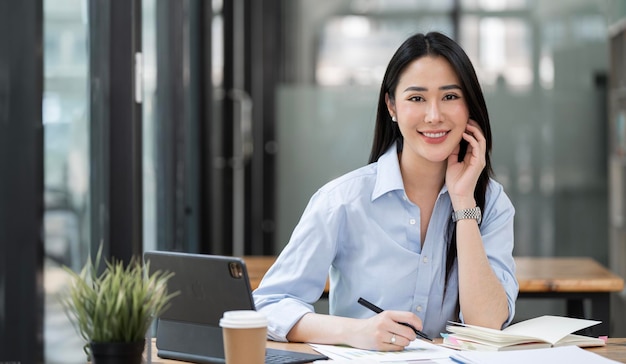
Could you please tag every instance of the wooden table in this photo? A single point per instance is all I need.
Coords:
(572, 279)
(615, 350)
(257, 265)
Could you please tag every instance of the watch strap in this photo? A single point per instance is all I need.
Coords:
(473, 213)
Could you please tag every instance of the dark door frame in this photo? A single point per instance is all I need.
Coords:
(116, 129)
(21, 181)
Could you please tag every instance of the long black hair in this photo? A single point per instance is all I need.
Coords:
(387, 132)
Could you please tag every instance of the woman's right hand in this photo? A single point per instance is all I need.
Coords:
(384, 332)
(374, 333)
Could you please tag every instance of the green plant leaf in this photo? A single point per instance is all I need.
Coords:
(118, 305)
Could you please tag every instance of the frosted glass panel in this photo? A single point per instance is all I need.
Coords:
(66, 168)
(322, 133)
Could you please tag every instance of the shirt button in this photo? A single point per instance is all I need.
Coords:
(419, 308)
(425, 259)
(412, 221)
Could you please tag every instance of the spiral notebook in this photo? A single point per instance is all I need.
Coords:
(208, 285)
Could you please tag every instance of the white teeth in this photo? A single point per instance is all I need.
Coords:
(434, 135)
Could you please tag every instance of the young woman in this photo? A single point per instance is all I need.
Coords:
(422, 231)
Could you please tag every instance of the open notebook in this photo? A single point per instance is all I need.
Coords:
(538, 332)
(209, 285)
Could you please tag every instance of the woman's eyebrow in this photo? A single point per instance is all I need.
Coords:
(450, 87)
(423, 89)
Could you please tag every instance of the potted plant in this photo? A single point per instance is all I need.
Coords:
(113, 310)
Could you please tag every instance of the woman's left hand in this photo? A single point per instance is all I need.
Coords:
(462, 176)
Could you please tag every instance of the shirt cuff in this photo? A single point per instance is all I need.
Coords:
(283, 315)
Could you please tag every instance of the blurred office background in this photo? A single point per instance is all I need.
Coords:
(205, 126)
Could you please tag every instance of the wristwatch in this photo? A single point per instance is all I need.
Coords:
(473, 213)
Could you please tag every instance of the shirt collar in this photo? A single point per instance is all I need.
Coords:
(388, 176)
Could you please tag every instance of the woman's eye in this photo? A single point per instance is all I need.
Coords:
(451, 97)
(416, 98)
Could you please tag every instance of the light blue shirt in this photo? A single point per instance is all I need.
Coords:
(363, 233)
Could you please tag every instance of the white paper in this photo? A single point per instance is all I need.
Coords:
(416, 350)
(564, 354)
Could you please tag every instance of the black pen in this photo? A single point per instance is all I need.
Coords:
(377, 309)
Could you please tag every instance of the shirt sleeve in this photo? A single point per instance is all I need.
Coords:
(298, 277)
(498, 236)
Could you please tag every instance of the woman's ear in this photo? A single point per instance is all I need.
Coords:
(391, 107)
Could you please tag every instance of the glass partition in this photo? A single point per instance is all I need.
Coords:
(66, 166)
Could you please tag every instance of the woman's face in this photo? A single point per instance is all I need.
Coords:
(430, 108)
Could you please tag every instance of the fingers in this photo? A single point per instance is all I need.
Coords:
(390, 341)
(399, 321)
(476, 140)
(473, 123)
(393, 335)
(396, 342)
(473, 129)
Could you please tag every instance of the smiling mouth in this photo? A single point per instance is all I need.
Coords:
(435, 135)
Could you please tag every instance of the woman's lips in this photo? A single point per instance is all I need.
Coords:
(435, 137)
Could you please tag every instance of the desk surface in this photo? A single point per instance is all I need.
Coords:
(565, 275)
(615, 350)
(534, 274)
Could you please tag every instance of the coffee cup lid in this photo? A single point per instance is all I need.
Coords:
(240, 319)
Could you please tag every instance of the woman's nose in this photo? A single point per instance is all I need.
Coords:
(432, 114)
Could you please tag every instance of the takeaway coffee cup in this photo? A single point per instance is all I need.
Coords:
(245, 336)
